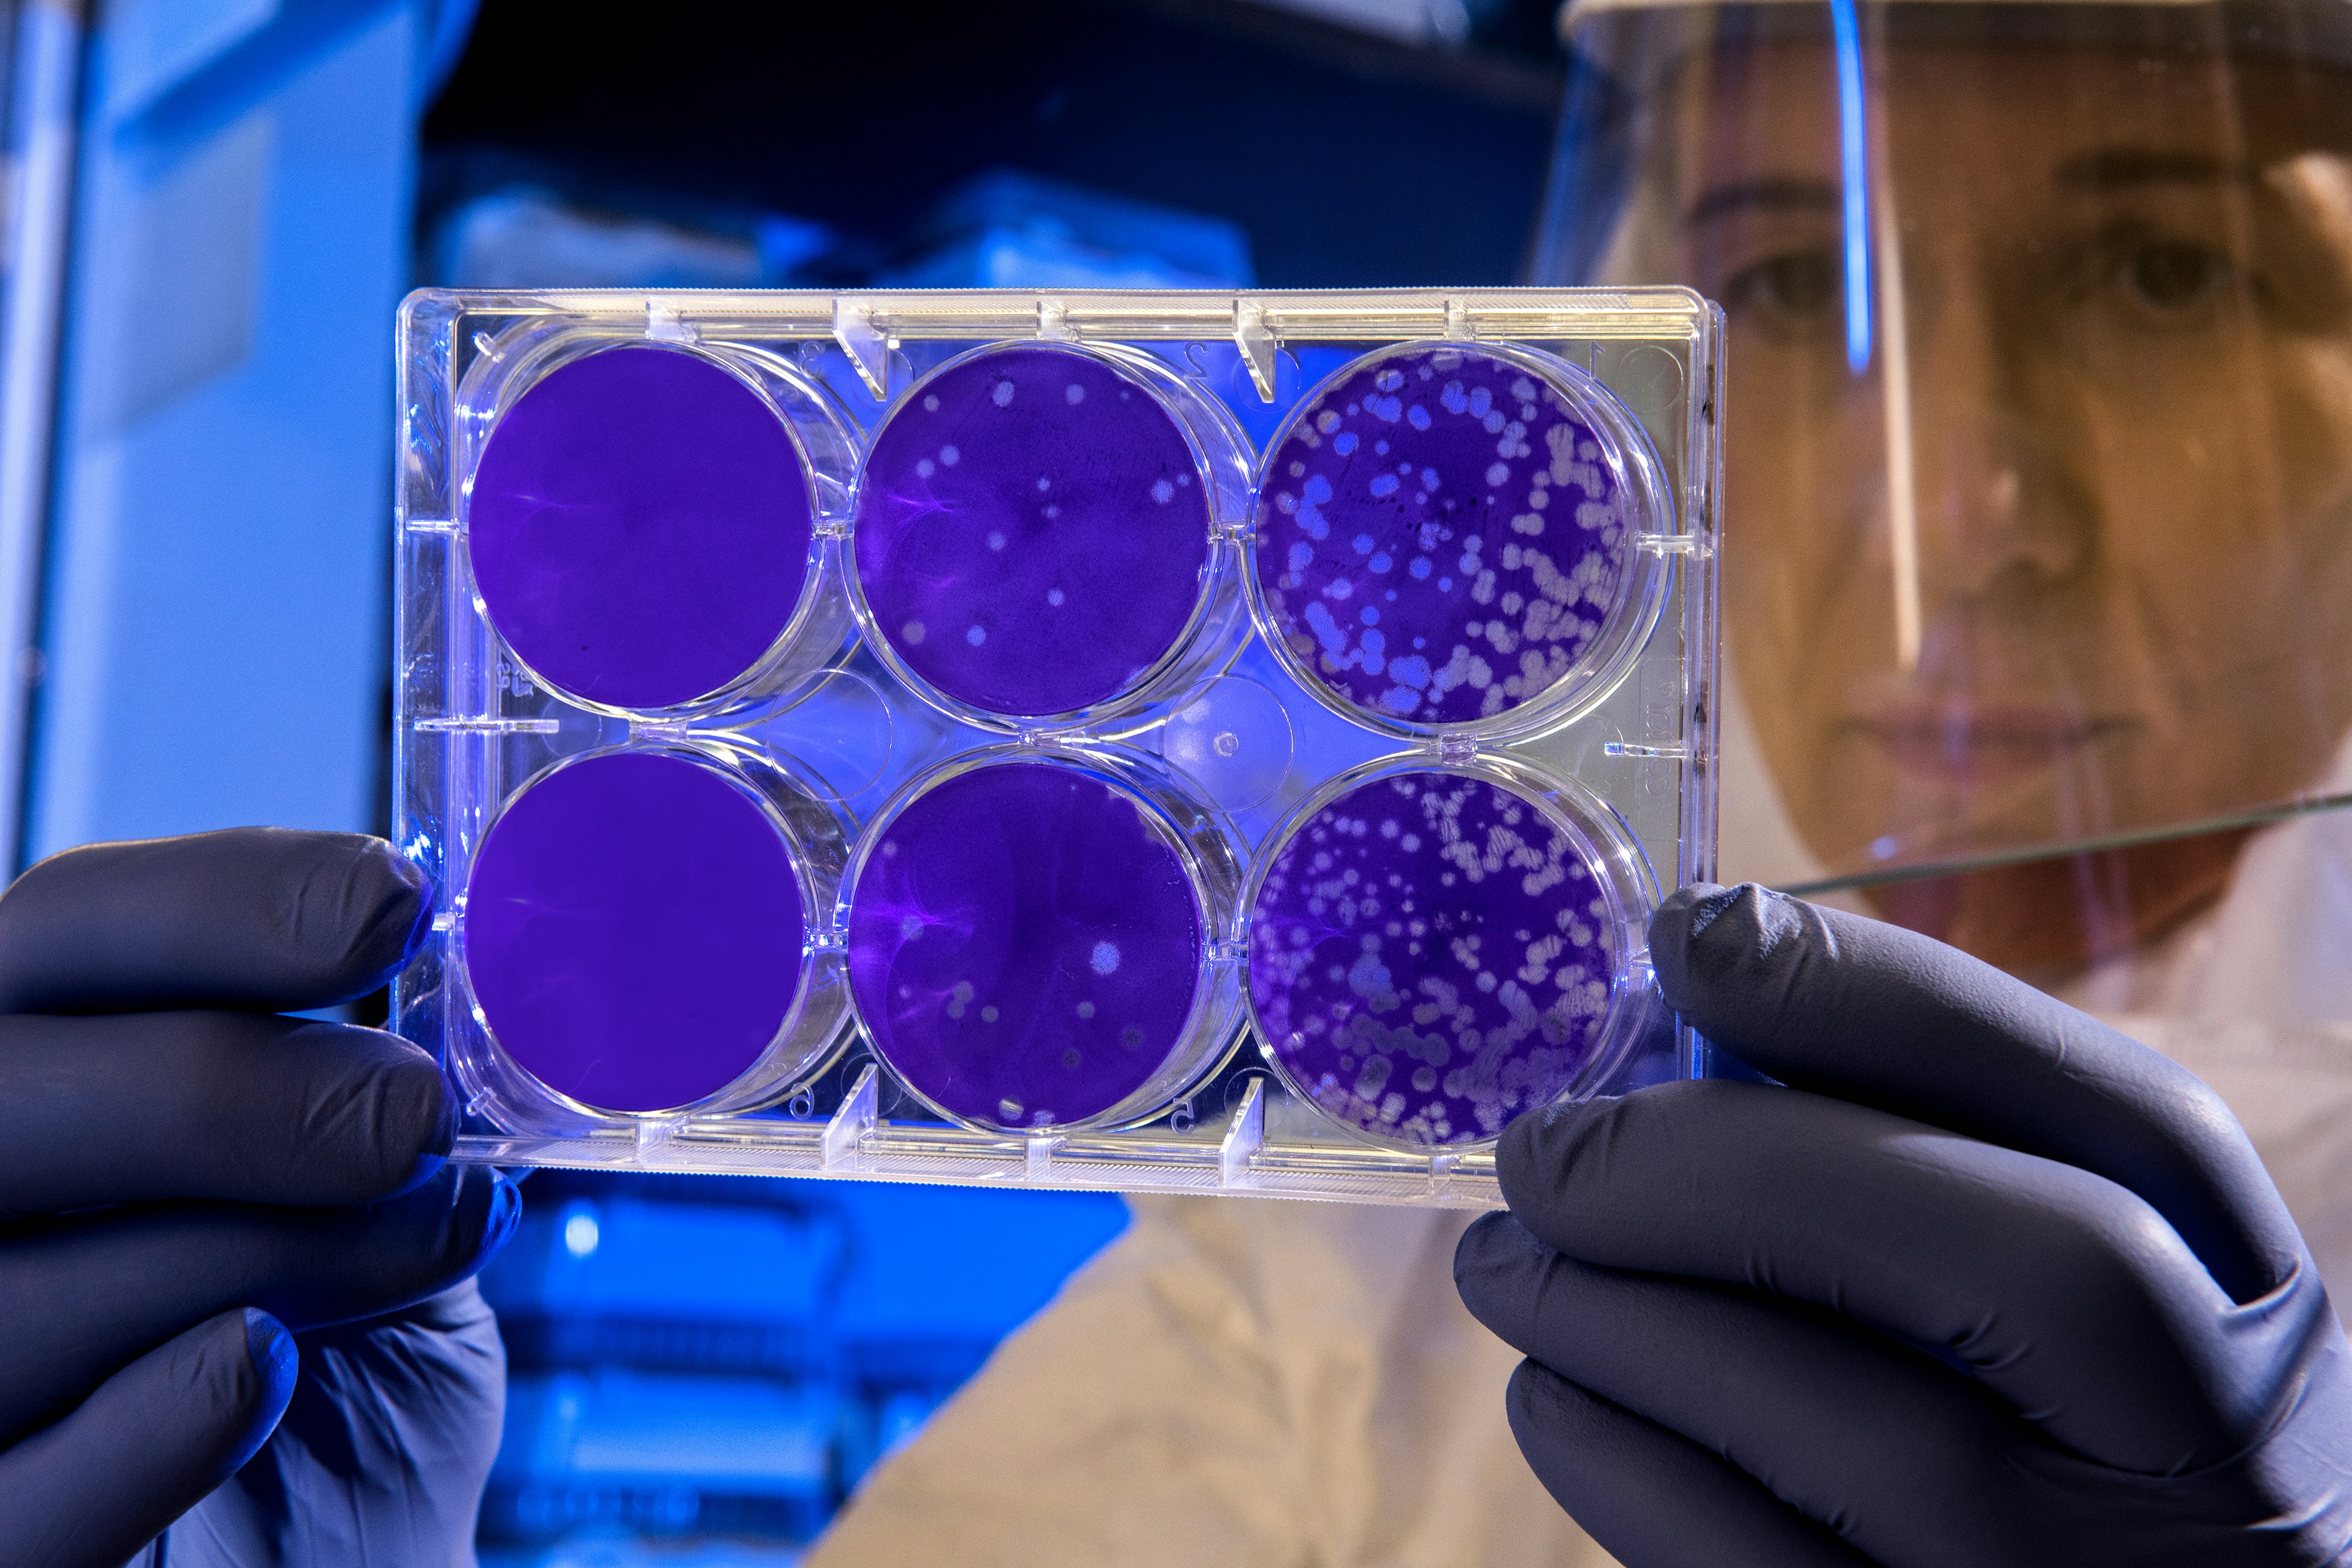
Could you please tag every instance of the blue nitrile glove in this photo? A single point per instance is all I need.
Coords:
(182, 1176)
(1989, 1284)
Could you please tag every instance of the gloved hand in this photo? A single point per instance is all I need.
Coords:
(1989, 1284)
(380, 1456)
(181, 1182)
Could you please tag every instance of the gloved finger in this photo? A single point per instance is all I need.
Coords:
(391, 1435)
(1839, 1422)
(146, 1446)
(1883, 1017)
(1652, 1497)
(2066, 1294)
(243, 1107)
(263, 918)
(82, 1296)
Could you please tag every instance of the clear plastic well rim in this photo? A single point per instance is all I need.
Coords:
(1616, 864)
(814, 1030)
(1212, 1024)
(812, 633)
(1642, 588)
(1191, 660)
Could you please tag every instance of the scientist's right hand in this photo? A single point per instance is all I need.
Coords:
(1988, 1284)
(186, 1178)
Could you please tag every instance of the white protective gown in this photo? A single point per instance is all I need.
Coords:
(1297, 1386)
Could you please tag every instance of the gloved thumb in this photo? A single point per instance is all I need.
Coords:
(147, 1445)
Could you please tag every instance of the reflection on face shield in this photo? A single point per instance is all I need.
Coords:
(2058, 553)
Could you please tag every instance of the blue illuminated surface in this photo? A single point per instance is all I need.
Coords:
(214, 628)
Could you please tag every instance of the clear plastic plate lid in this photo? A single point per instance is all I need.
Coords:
(1163, 740)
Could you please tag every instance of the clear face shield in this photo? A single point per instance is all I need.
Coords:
(2038, 493)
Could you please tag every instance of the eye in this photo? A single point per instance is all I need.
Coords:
(2171, 277)
(1798, 288)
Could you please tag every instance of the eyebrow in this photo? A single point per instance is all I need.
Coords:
(2124, 168)
(1783, 194)
(2095, 173)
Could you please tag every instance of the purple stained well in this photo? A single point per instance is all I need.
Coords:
(1439, 536)
(634, 932)
(1024, 947)
(1430, 955)
(1032, 531)
(639, 527)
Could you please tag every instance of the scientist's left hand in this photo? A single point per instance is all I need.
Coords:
(225, 1231)
(1988, 1284)
(379, 1457)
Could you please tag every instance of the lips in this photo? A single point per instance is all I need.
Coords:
(1965, 743)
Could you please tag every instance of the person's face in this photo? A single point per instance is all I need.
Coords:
(2116, 593)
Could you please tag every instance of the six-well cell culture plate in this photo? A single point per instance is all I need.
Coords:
(1162, 740)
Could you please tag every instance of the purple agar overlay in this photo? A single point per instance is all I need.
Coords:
(639, 527)
(635, 932)
(1430, 955)
(1031, 531)
(1440, 537)
(1023, 946)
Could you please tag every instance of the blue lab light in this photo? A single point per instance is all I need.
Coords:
(1846, 34)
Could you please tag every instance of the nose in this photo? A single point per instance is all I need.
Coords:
(2002, 512)
(1998, 514)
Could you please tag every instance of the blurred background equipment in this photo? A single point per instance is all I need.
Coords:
(211, 632)
(211, 209)
(696, 1357)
